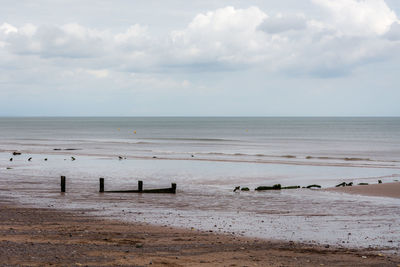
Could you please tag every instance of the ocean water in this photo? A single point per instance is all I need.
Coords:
(207, 158)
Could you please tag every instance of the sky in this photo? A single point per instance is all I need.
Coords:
(200, 58)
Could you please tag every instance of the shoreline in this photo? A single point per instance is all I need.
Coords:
(230, 158)
(42, 237)
(391, 190)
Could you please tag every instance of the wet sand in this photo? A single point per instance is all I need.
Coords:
(44, 237)
(378, 190)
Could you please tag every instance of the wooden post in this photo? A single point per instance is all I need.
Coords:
(101, 185)
(63, 184)
(140, 186)
(173, 187)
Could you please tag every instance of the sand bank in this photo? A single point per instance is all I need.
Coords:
(379, 190)
(43, 237)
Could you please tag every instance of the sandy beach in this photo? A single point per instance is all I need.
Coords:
(44, 237)
(377, 190)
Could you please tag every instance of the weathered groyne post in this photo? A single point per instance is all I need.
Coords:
(173, 188)
(62, 184)
(101, 190)
(140, 186)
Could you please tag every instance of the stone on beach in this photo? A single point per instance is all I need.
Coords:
(291, 187)
(344, 184)
(274, 187)
(314, 186)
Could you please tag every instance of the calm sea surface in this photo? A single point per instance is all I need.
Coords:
(207, 158)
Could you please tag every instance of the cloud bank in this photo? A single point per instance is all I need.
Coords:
(350, 34)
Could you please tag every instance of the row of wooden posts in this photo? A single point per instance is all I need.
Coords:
(171, 190)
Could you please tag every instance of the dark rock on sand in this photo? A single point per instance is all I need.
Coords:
(291, 187)
(245, 189)
(274, 187)
(341, 184)
(314, 186)
(344, 184)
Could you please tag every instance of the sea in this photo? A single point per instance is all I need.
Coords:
(207, 157)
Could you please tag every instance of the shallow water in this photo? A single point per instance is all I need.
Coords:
(207, 158)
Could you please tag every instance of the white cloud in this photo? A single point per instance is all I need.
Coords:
(354, 33)
(7, 28)
(223, 35)
(133, 34)
(98, 73)
(282, 23)
(358, 17)
(28, 29)
(70, 40)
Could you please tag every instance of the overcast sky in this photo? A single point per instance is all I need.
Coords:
(200, 58)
